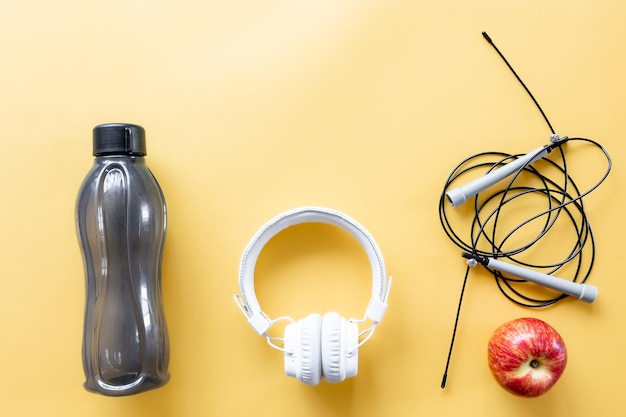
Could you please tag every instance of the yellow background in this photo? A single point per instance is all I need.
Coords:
(256, 107)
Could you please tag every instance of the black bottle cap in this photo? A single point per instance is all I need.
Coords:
(119, 139)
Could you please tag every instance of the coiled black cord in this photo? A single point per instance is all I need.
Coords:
(560, 206)
(561, 199)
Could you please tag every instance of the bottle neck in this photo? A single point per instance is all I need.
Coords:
(120, 156)
(120, 159)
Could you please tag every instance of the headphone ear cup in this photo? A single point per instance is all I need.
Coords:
(338, 337)
(303, 358)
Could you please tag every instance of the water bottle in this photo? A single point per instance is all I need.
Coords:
(121, 222)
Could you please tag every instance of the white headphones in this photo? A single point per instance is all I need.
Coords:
(315, 347)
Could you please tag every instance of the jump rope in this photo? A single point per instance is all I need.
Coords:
(491, 240)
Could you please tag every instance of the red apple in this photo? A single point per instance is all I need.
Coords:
(526, 356)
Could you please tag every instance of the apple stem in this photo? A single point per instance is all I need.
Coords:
(534, 363)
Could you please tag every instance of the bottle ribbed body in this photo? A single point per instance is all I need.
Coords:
(121, 222)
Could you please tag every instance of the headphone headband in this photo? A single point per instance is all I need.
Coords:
(248, 302)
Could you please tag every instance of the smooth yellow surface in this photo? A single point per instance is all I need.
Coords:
(255, 107)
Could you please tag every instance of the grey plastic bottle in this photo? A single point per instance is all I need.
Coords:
(121, 222)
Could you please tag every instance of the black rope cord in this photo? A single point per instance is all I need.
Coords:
(561, 199)
(550, 180)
